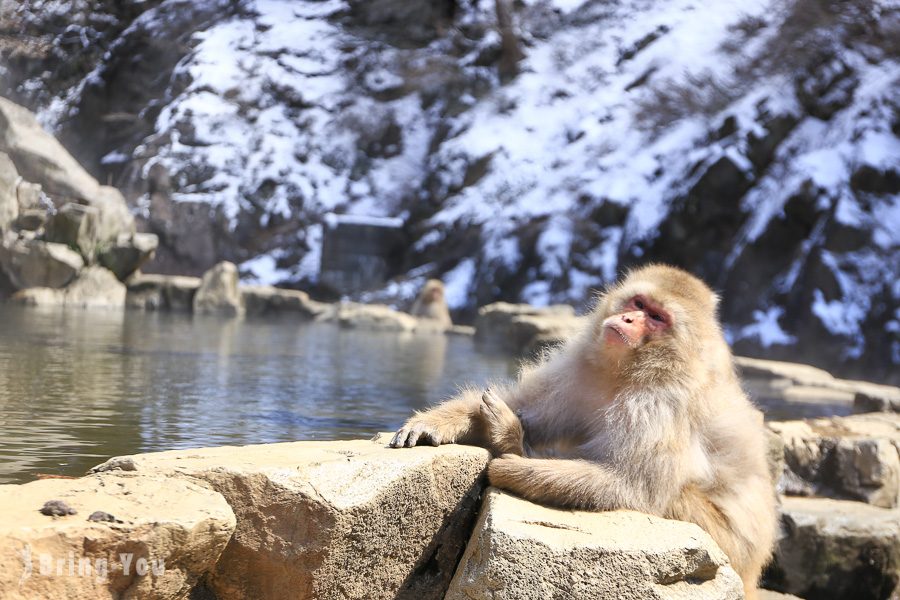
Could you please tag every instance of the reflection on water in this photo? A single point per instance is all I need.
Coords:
(79, 387)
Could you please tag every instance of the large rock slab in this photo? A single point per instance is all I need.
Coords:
(166, 535)
(837, 549)
(377, 317)
(856, 457)
(94, 287)
(268, 300)
(39, 157)
(335, 520)
(523, 551)
(218, 293)
(35, 263)
(798, 390)
(162, 292)
(521, 328)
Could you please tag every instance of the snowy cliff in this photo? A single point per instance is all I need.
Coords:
(753, 142)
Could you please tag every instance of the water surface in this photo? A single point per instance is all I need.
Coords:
(77, 387)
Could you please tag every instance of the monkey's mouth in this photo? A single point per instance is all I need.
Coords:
(616, 336)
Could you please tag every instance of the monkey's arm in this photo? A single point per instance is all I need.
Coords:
(480, 419)
(566, 483)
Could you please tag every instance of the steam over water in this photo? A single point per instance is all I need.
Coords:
(79, 387)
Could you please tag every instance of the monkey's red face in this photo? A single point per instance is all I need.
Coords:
(640, 320)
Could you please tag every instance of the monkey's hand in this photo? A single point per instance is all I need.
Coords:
(418, 429)
(502, 427)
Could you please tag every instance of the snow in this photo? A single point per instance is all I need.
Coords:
(263, 271)
(766, 328)
(458, 284)
(332, 220)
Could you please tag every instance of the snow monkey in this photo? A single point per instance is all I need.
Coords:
(640, 410)
(430, 303)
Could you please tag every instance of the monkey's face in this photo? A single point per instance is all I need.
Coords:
(638, 322)
(655, 321)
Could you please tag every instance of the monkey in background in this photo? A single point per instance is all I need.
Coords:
(641, 410)
(430, 304)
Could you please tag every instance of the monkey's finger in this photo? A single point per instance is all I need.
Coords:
(399, 438)
(414, 436)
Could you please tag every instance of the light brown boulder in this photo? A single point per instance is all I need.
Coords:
(773, 370)
(35, 263)
(516, 327)
(129, 252)
(378, 317)
(837, 549)
(856, 457)
(162, 292)
(267, 300)
(9, 199)
(166, 535)
(523, 551)
(218, 293)
(335, 520)
(39, 157)
(93, 287)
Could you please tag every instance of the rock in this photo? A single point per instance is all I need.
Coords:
(115, 218)
(462, 330)
(538, 332)
(513, 327)
(801, 390)
(873, 397)
(855, 457)
(39, 157)
(770, 595)
(31, 219)
(162, 292)
(377, 317)
(837, 549)
(772, 370)
(218, 293)
(267, 299)
(35, 263)
(336, 520)
(177, 526)
(94, 287)
(29, 196)
(78, 227)
(9, 198)
(523, 551)
(57, 508)
(129, 253)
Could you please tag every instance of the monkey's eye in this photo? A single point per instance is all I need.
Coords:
(657, 317)
(639, 304)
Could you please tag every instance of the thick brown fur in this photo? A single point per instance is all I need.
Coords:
(661, 426)
(430, 303)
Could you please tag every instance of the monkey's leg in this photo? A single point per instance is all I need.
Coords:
(455, 421)
(503, 428)
(747, 557)
(566, 483)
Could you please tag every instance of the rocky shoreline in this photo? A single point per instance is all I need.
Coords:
(356, 519)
